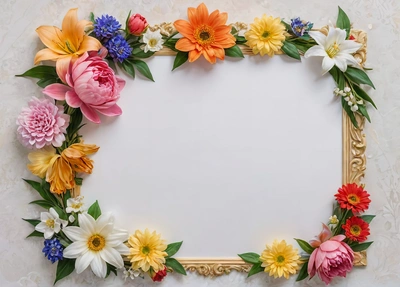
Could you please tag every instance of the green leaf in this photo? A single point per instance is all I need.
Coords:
(364, 112)
(338, 76)
(175, 265)
(361, 246)
(75, 122)
(35, 234)
(111, 268)
(64, 268)
(367, 218)
(43, 203)
(37, 186)
(181, 58)
(303, 273)
(61, 212)
(143, 69)
(170, 43)
(362, 94)
(240, 40)
(234, 31)
(128, 68)
(94, 210)
(172, 248)
(40, 72)
(358, 76)
(139, 53)
(305, 246)
(290, 50)
(91, 17)
(67, 196)
(250, 257)
(349, 112)
(234, 52)
(47, 81)
(78, 180)
(256, 268)
(343, 22)
(34, 222)
(127, 21)
(287, 26)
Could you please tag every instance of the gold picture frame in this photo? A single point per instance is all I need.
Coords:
(353, 170)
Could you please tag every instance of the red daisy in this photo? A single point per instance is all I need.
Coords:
(353, 197)
(356, 229)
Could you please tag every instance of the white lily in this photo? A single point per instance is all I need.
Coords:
(335, 49)
(96, 242)
(50, 223)
(75, 204)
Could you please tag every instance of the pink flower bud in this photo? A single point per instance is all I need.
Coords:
(137, 24)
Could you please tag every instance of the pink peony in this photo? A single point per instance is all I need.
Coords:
(92, 87)
(331, 258)
(137, 24)
(42, 123)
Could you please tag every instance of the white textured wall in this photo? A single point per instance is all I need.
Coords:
(21, 262)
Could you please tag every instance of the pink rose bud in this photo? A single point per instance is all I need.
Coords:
(137, 24)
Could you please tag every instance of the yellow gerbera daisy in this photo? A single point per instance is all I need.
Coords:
(280, 259)
(147, 250)
(266, 35)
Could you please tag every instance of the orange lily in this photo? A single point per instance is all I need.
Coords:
(204, 34)
(66, 44)
(76, 156)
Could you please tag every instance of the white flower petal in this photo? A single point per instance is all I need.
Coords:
(76, 249)
(316, 51)
(57, 227)
(53, 213)
(117, 237)
(122, 249)
(63, 222)
(349, 58)
(71, 218)
(41, 227)
(318, 37)
(335, 35)
(327, 64)
(99, 266)
(45, 216)
(349, 47)
(48, 233)
(82, 262)
(76, 234)
(103, 221)
(111, 256)
(341, 63)
(87, 222)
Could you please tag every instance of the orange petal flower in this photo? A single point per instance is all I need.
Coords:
(66, 44)
(60, 176)
(76, 156)
(205, 34)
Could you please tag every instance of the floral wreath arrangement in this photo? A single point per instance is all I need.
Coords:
(83, 83)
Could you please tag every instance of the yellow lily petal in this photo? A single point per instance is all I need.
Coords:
(41, 160)
(85, 148)
(62, 65)
(69, 30)
(81, 26)
(44, 55)
(52, 38)
(89, 44)
(60, 176)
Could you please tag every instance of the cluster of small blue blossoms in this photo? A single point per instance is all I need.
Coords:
(106, 29)
(300, 27)
(53, 250)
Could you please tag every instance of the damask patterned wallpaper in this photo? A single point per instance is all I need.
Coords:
(20, 262)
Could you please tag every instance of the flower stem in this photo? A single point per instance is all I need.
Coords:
(341, 221)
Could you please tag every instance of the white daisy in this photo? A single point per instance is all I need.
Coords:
(335, 49)
(153, 41)
(50, 223)
(96, 242)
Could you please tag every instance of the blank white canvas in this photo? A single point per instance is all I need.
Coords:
(226, 157)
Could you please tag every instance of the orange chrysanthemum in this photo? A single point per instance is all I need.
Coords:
(353, 197)
(205, 34)
(356, 229)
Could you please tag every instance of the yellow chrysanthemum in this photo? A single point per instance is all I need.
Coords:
(280, 259)
(147, 250)
(266, 35)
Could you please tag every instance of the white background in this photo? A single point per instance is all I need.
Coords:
(22, 263)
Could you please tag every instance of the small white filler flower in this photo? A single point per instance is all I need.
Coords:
(153, 41)
(50, 223)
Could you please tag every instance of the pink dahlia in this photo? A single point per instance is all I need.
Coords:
(91, 86)
(331, 257)
(42, 123)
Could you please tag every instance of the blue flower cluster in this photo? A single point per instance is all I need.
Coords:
(299, 27)
(53, 250)
(106, 29)
(118, 48)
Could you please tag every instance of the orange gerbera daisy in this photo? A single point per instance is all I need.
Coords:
(353, 197)
(356, 229)
(66, 44)
(205, 34)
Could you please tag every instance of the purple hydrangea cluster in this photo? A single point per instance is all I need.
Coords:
(118, 48)
(106, 29)
(300, 27)
(53, 250)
